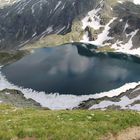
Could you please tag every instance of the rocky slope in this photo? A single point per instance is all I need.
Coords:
(17, 99)
(117, 25)
(28, 19)
(127, 100)
(40, 23)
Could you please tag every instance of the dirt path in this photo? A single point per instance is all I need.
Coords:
(128, 134)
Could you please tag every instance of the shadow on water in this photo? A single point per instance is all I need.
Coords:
(73, 69)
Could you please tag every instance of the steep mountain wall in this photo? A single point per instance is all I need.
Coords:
(113, 23)
(27, 19)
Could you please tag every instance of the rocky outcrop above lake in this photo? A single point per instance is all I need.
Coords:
(127, 100)
(16, 98)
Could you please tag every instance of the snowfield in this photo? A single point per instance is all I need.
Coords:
(119, 46)
(125, 103)
(136, 2)
(101, 37)
(127, 48)
(92, 19)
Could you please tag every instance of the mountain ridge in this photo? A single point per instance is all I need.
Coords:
(20, 23)
(55, 23)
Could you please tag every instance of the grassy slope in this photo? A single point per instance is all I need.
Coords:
(9, 57)
(62, 125)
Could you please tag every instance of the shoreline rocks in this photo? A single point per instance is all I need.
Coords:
(16, 98)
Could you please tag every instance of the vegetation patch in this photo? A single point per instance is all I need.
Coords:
(62, 125)
(106, 49)
(9, 57)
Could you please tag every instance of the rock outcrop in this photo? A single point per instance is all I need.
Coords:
(17, 99)
(126, 100)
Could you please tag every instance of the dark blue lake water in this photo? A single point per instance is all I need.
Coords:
(73, 69)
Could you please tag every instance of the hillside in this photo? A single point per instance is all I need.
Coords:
(41, 23)
(113, 24)
(29, 20)
(33, 124)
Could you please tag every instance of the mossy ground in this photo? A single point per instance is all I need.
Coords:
(62, 125)
(106, 49)
(9, 57)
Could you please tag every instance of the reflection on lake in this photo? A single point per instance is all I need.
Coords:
(72, 69)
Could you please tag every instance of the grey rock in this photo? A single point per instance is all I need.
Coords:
(16, 98)
(131, 94)
(32, 19)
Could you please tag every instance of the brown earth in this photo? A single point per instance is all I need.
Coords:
(128, 134)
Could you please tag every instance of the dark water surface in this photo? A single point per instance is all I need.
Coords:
(72, 69)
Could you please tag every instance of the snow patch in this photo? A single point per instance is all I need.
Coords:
(7, 93)
(102, 37)
(126, 26)
(58, 4)
(135, 107)
(85, 37)
(125, 103)
(127, 48)
(60, 30)
(93, 19)
(136, 2)
(120, 2)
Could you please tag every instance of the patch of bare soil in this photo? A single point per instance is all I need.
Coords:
(128, 134)
(29, 138)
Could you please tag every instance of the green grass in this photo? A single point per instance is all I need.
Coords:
(62, 125)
